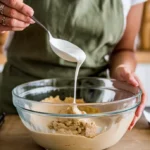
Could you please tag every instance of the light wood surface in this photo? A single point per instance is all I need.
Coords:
(14, 136)
(143, 56)
(3, 38)
(145, 28)
(2, 59)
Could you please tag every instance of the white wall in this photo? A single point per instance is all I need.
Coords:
(143, 72)
(1, 68)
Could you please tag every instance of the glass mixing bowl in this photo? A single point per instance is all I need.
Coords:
(107, 111)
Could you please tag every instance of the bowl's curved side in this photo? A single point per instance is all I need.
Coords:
(113, 129)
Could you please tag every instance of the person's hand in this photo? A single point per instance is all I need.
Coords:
(123, 73)
(14, 15)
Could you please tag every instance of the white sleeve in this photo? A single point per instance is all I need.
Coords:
(134, 2)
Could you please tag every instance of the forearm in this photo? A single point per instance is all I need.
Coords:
(119, 59)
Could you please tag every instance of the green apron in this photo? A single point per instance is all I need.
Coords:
(93, 25)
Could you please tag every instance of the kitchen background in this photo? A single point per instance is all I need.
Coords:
(142, 44)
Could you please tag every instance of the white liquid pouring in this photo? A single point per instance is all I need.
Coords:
(72, 53)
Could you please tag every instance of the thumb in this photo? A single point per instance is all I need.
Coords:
(130, 78)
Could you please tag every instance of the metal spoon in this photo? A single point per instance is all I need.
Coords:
(64, 49)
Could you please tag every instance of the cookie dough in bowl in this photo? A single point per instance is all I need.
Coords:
(46, 109)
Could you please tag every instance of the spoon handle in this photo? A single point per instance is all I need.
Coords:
(39, 23)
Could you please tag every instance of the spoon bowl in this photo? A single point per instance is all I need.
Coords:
(66, 50)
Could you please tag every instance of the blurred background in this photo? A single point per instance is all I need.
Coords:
(142, 45)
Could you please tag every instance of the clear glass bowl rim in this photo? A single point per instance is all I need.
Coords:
(81, 104)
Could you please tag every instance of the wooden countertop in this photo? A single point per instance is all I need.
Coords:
(2, 59)
(143, 56)
(14, 136)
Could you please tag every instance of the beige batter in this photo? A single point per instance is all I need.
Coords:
(78, 133)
